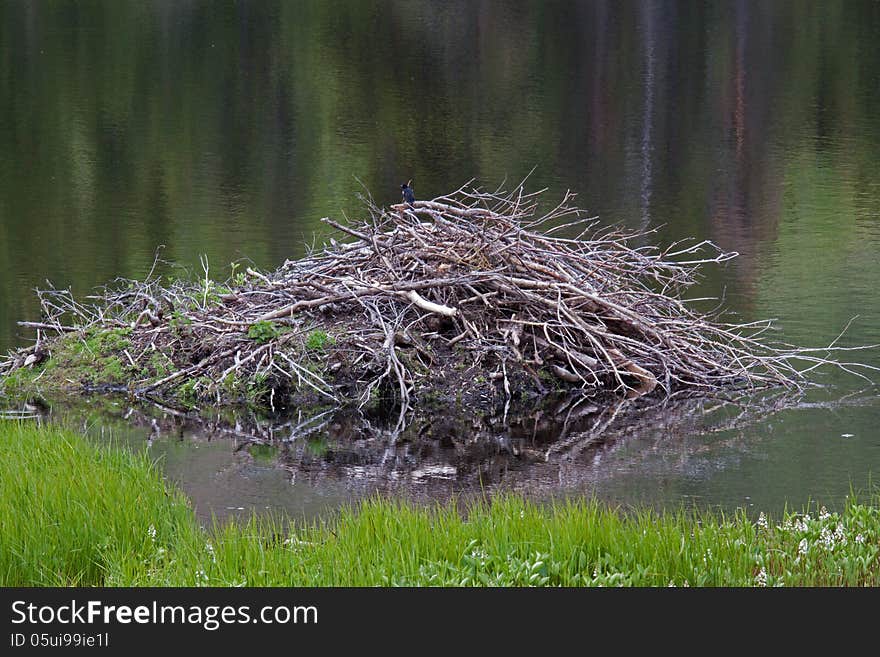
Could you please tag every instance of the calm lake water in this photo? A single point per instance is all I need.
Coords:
(230, 129)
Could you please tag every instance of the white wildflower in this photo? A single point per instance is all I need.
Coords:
(479, 554)
(210, 550)
(840, 534)
(202, 575)
(860, 538)
(762, 521)
(803, 547)
(671, 584)
(823, 514)
(151, 532)
(761, 578)
(826, 538)
(800, 525)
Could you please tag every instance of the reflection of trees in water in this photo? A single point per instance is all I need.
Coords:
(230, 129)
(745, 201)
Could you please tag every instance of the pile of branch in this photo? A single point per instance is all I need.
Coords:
(474, 277)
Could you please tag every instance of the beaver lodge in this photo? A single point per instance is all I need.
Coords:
(471, 297)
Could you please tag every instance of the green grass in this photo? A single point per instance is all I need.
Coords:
(263, 332)
(70, 509)
(318, 340)
(96, 357)
(77, 514)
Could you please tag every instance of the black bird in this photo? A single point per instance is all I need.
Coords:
(407, 191)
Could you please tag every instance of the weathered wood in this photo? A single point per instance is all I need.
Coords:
(481, 277)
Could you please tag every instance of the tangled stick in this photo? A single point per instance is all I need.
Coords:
(470, 277)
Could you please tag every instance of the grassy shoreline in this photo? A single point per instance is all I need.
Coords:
(79, 515)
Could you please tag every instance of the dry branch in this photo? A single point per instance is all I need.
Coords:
(469, 280)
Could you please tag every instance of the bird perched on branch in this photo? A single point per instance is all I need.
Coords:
(407, 191)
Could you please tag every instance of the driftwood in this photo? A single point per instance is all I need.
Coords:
(473, 278)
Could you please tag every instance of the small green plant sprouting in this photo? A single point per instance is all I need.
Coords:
(186, 393)
(178, 320)
(319, 340)
(238, 278)
(263, 331)
(161, 364)
(230, 384)
(257, 388)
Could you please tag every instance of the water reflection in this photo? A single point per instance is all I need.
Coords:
(305, 465)
(231, 130)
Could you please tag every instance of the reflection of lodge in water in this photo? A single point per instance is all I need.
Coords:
(561, 446)
(549, 450)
